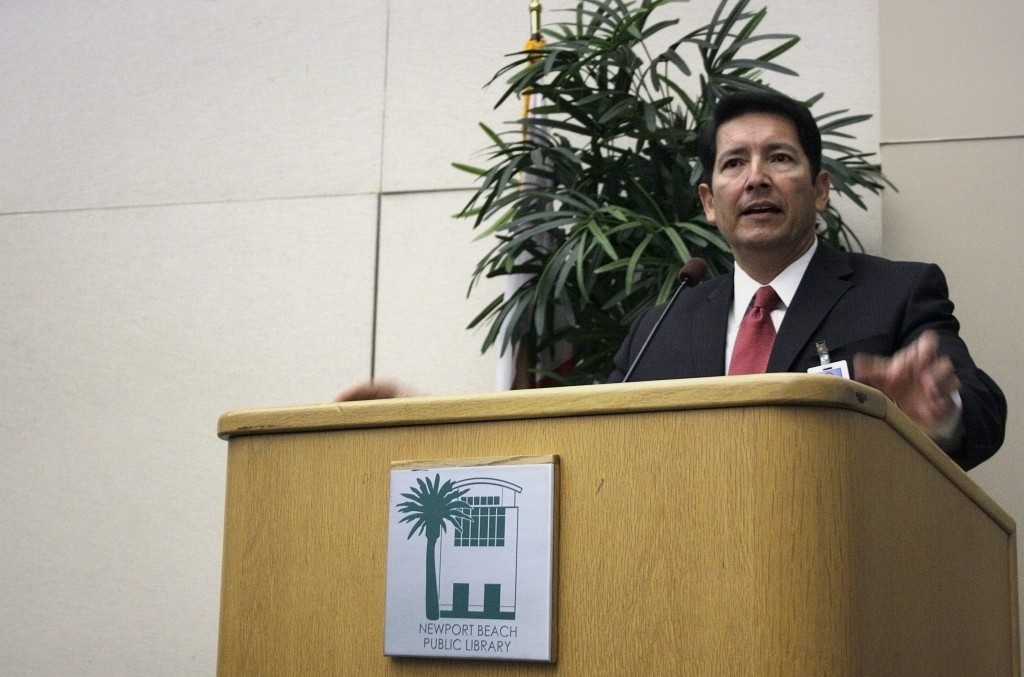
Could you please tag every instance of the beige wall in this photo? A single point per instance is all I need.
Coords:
(216, 205)
(953, 141)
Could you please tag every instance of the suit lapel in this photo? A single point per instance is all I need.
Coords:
(709, 329)
(827, 278)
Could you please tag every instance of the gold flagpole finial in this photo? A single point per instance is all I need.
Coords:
(533, 45)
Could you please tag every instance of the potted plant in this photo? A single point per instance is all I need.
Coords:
(592, 199)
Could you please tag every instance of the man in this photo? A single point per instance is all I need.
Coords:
(893, 322)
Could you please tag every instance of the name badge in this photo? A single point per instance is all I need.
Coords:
(832, 369)
(839, 368)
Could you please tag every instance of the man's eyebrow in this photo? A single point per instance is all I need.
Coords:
(744, 149)
(732, 151)
(783, 145)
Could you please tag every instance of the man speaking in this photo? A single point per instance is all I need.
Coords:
(793, 303)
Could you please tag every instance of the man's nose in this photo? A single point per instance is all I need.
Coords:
(756, 175)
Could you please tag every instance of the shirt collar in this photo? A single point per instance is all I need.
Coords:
(784, 284)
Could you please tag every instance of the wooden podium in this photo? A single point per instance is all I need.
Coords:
(757, 525)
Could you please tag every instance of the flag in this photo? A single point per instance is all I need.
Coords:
(518, 365)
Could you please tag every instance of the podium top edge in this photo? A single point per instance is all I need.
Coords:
(615, 398)
(759, 390)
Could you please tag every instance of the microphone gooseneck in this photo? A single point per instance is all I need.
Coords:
(690, 275)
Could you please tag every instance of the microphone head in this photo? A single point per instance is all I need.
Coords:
(693, 271)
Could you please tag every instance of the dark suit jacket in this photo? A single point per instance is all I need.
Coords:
(853, 302)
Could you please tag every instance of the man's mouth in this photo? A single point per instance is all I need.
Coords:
(760, 208)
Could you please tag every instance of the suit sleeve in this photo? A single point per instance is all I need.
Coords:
(623, 357)
(984, 406)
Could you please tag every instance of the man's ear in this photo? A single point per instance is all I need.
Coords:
(822, 187)
(707, 199)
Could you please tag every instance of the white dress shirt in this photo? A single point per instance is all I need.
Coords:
(744, 287)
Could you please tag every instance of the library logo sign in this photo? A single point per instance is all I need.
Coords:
(471, 559)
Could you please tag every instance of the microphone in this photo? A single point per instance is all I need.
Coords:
(690, 275)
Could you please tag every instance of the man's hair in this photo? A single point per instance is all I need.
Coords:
(734, 105)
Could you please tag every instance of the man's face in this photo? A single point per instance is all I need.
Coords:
(762, 196)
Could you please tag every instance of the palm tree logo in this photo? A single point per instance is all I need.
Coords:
(430, 506)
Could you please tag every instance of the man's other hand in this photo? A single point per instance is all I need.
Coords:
(382, 389)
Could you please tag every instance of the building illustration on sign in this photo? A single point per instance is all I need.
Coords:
(477, 571)
(470, 570)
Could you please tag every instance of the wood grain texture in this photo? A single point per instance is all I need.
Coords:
(696, 535)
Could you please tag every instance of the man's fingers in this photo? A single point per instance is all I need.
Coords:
(924, 351)
(943, 375)
(868, 369)
(375, 390)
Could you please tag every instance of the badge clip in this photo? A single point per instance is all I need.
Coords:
(839, 368)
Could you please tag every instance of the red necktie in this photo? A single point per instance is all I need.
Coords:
(756, 335)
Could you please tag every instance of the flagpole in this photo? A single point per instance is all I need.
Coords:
(558, 358)
(514, 368)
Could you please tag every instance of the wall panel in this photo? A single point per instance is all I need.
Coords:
(422, 311)
(126, 334)
(115, 104)
(952, 69)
